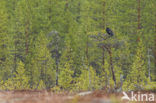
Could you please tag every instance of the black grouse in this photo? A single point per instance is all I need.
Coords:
(109, 31)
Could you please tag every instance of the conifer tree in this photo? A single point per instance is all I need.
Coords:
(5, 44)
(42, 63)
(21, 79)
(136, 78)
(86, 82)
(65, 76)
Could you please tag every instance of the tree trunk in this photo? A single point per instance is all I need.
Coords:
(104, 23)
(87, 56)
(139, 23)
(139, 15)
(155, 45)
(57, 62)
(27, 37)
(111, 65)
(15, 58)
(56, 74)
(149, 65)
(103, 57)
(103, 27)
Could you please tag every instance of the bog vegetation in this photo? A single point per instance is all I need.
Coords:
(64, 44)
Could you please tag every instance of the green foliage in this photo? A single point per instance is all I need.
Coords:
(65, 76)
(19, 81)
(5, 57)
(151, 86)
(88, 80)
(41, 66)
(136, 79)
(41, 85)
(47, 44)
(105, 76)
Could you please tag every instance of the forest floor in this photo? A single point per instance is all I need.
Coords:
(50, 97)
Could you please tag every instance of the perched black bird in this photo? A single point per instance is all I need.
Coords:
(109, 31)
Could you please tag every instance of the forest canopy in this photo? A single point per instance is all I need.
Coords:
(77, 44)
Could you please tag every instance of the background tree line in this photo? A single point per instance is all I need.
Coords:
(62, 44)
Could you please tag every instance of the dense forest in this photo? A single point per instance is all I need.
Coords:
(64, 45)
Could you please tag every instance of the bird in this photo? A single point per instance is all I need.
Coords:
(109, 31)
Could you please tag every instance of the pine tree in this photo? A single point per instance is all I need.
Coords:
(66, 69)
(21, 79)
(86, 82)
(136, 78)
(41, 66)
(41, 85)
(5, 43)
(65, 76)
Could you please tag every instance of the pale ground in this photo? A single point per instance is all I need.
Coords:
(50, 97)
